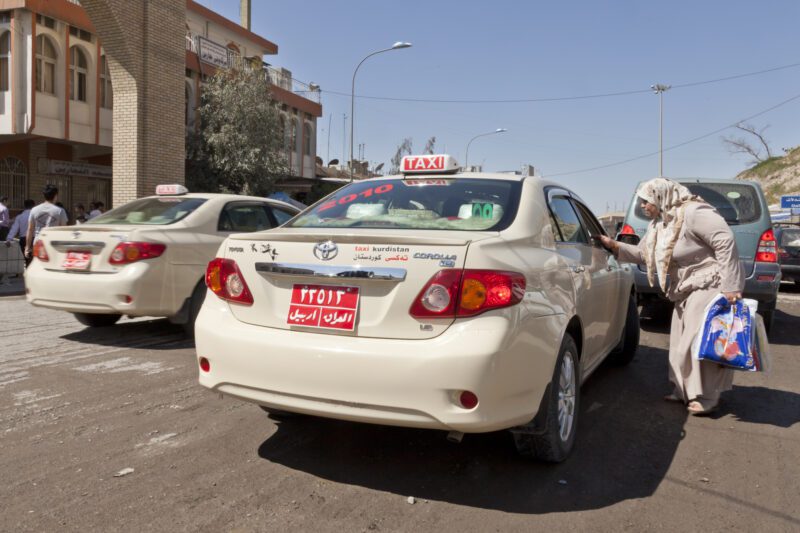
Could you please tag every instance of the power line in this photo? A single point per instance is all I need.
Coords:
(563, 98)
(674, 146)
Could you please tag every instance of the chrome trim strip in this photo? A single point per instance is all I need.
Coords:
(325, 271)
(78, 245)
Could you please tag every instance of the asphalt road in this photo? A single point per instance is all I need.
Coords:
(78, 406)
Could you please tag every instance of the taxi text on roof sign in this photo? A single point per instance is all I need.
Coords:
(162, 190)
(417, 164)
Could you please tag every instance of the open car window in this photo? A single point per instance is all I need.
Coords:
(428, 203)
(157, 211)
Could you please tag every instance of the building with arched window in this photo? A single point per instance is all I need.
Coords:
(57, 97)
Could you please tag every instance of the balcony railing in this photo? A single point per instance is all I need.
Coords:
(279, 77)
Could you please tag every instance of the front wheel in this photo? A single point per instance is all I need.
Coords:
(554, 444)
(625, 351)
(96, 321)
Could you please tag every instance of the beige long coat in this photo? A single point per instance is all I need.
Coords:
(704, 263)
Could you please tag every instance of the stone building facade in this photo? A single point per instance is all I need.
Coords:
(70, 70)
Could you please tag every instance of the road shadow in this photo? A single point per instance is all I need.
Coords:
(785, 328)
(627, 439)
(760, 405)
(156, 334)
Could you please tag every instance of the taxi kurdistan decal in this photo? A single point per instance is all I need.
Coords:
(464, 302)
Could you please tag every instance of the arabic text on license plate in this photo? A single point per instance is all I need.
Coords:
(323, 306)
(77, 261)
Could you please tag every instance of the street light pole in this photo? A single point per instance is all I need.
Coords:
(396, 46)
(466, 155)
(660, 89)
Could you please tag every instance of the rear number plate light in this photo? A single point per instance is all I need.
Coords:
(77, 261)
(324, 306)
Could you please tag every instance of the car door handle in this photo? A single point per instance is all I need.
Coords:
(578, 268)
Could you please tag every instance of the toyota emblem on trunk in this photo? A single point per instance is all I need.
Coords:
(326, 250)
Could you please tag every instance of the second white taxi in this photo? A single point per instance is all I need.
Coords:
(465, 302)
(145, 258)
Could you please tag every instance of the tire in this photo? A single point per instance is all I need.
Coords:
(769, 316)
(96, 321)
(554, 444)
(196, 302)
(625, 351)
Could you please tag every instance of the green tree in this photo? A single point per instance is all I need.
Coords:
(239, 148)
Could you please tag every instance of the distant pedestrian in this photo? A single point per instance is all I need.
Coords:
(44, 215)
(5, 221)
(20, 228)
(80, 214)
(97, 210)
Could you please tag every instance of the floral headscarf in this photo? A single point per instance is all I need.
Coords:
(670, 198)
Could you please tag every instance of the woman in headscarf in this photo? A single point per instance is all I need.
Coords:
(690, 242)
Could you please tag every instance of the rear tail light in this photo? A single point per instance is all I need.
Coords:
(627, 230)
(767, 251)
(39, 251)
(455, 293)
(130, 252)
(225, 280)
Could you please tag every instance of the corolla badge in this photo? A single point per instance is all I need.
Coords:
(326, 251)
(76, 234)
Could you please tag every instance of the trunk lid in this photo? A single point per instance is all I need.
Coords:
(66, 246)
(299, 271)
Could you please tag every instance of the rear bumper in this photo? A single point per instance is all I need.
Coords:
(103, 293)
(761, 285)
(412, 383)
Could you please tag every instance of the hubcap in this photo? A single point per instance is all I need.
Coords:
(566, 396)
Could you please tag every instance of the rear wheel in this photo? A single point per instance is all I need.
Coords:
(96, 321)
(554, 444)
(196, 302)
(625, 351)
(768, 315)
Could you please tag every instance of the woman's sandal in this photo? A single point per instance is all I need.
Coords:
(673, 398)
(696, 408)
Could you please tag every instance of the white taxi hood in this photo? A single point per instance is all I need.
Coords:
(386, 269)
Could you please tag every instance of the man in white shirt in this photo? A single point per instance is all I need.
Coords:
(20, 228)
(43, 216)
(97, 210)
(5, 221)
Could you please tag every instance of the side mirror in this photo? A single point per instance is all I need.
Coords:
(628, 238)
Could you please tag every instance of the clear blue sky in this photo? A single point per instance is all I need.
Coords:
(471, 50)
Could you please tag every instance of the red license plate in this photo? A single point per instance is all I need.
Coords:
(77, 261)
(323, 306)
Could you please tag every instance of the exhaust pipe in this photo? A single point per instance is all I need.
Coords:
(455, 437)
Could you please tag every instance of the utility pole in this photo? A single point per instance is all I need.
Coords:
(330, 119)
(660, 89)
(344, 137)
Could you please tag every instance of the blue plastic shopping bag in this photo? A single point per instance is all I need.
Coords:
(727, 335)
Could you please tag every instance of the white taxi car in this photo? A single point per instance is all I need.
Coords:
(466, 302)
(145, 258)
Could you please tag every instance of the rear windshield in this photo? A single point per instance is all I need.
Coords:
(433, 203)
(790, 237)
(737, 203)
(154, 211)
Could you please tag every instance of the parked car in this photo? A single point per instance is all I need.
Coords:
(465, 302)
(145, 258)
(788, 238)
(744, 208)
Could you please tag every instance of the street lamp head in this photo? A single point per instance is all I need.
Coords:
(500, 130)
(400, 44)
